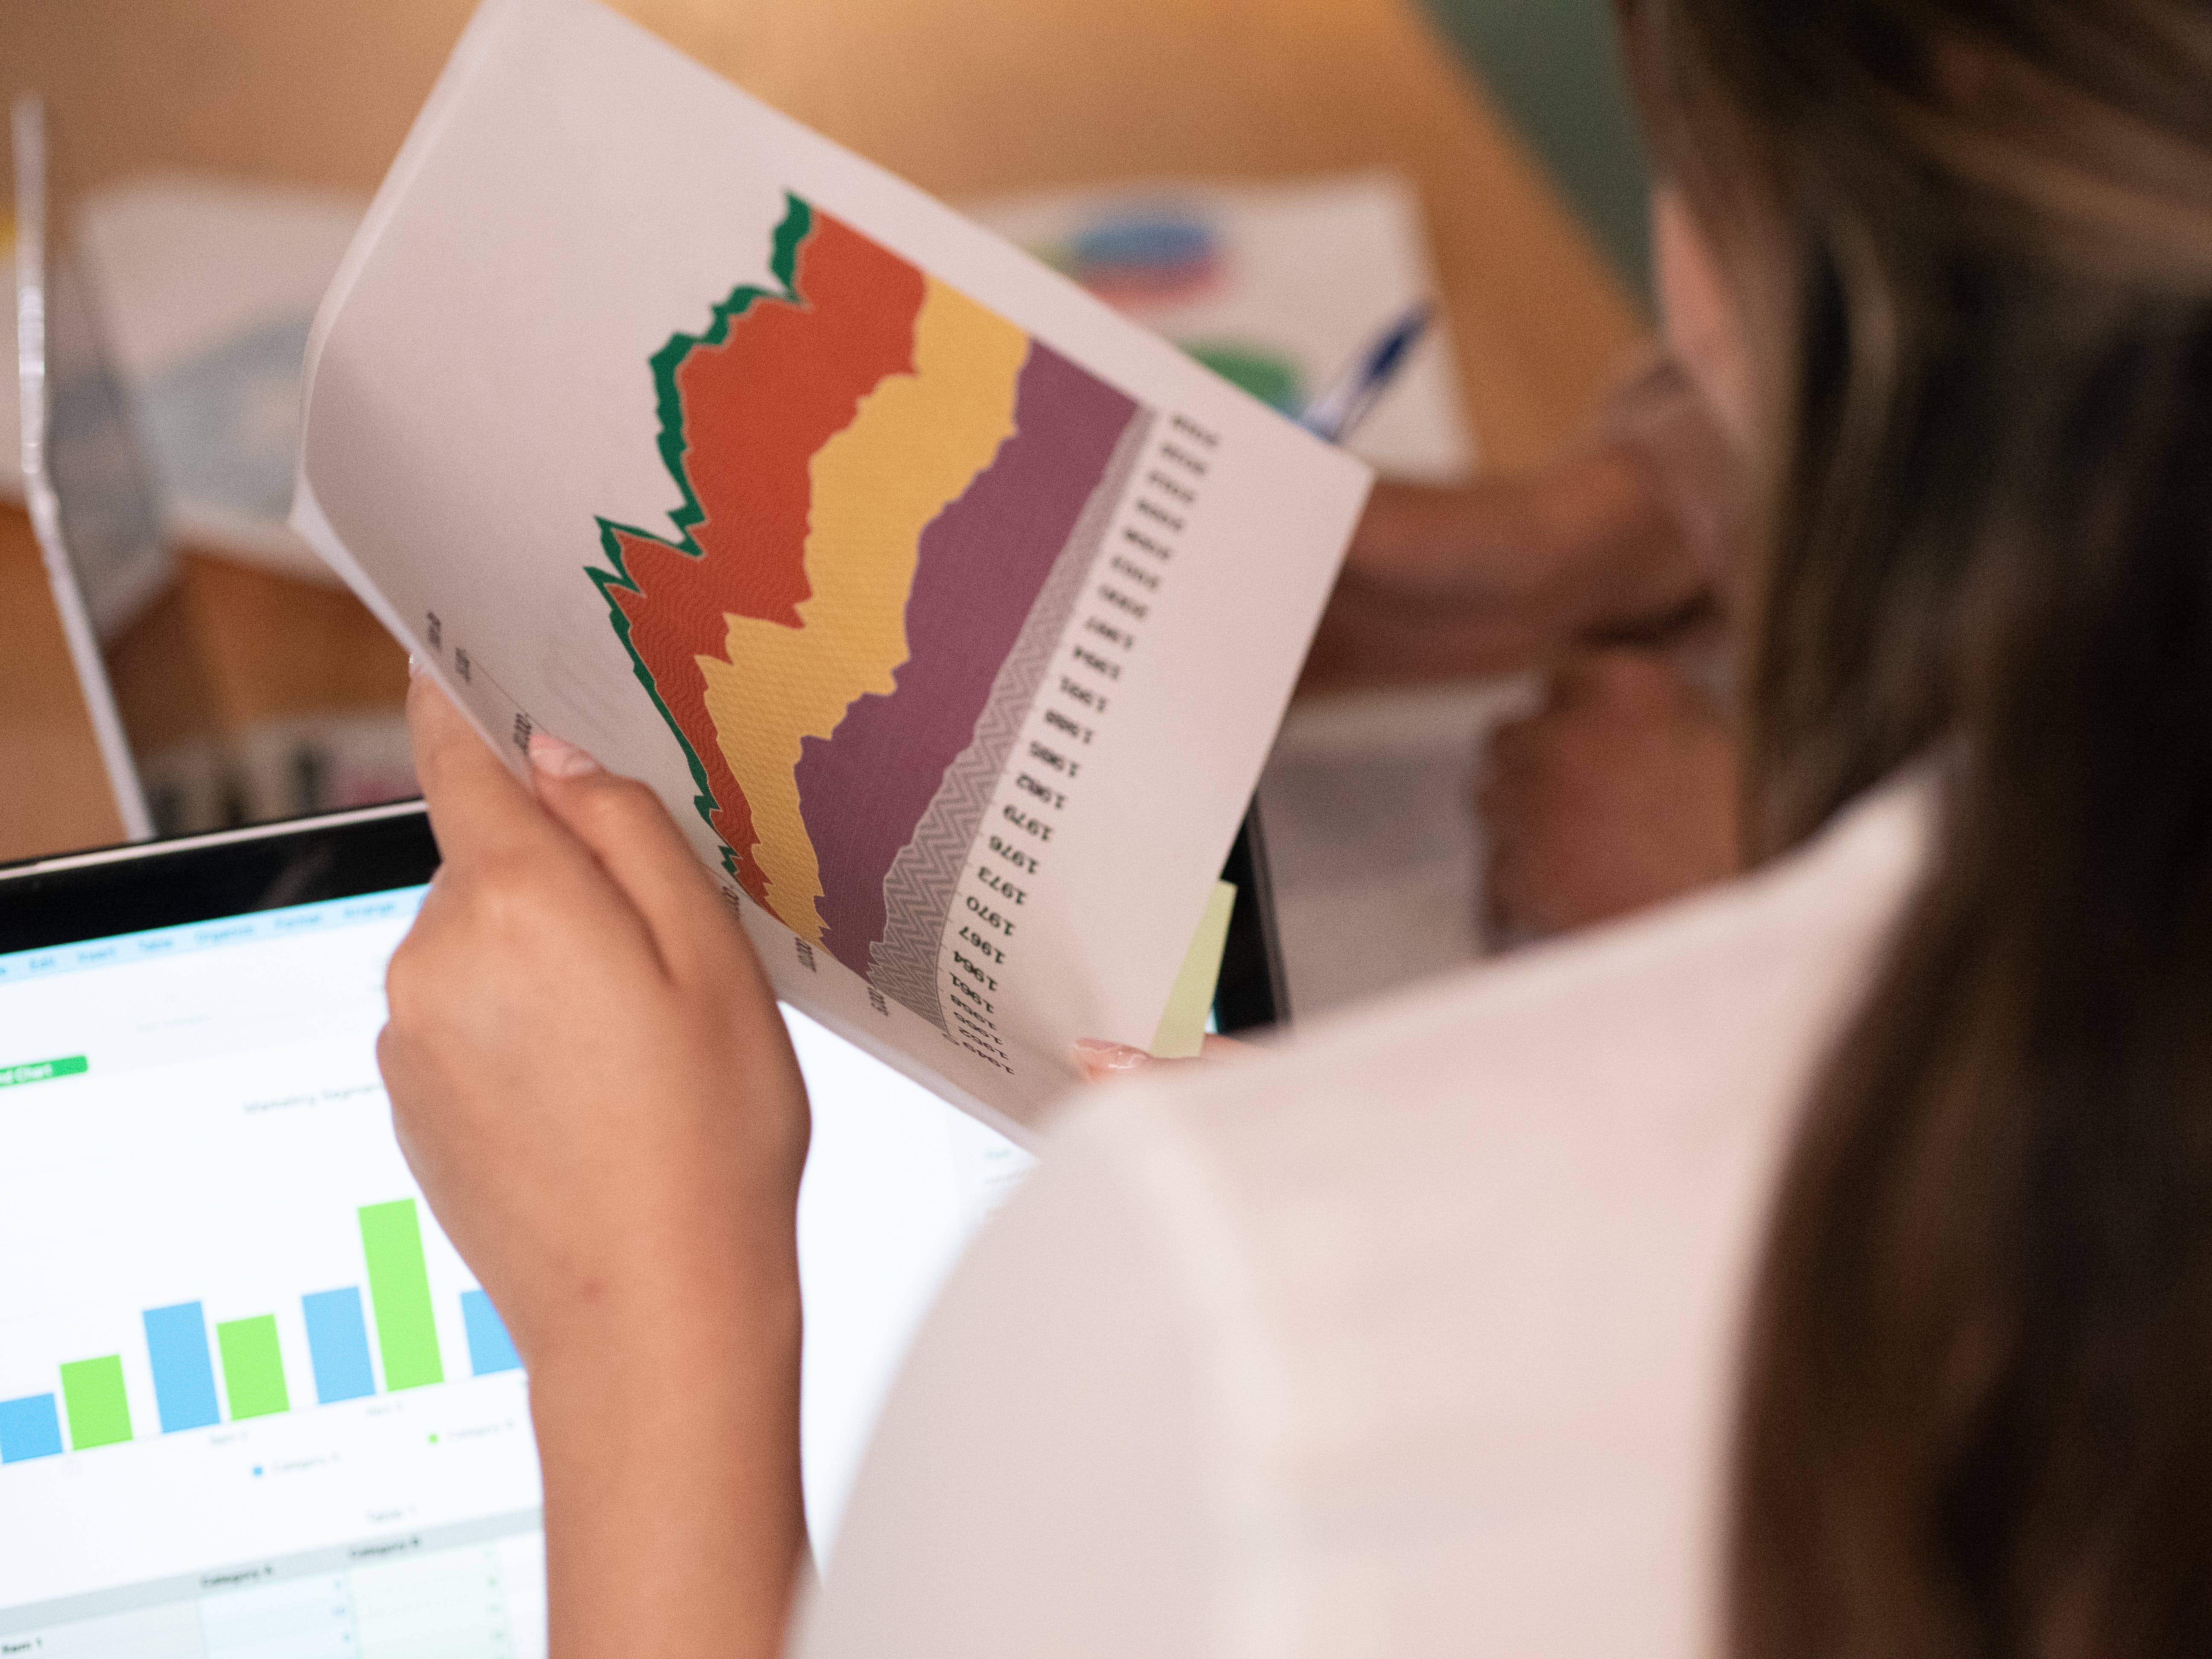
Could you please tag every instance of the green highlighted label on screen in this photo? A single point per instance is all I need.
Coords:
(38, 1071)
(400, 1291)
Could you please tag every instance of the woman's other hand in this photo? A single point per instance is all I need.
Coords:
(1626, 533)
(590, 1079)
(1619, 793)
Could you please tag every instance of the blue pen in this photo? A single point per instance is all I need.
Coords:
(1345, 404)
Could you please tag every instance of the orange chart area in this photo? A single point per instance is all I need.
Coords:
(889, 498)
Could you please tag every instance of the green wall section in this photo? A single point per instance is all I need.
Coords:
(1555, 67)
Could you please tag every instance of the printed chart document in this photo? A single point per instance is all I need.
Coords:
(951, 613)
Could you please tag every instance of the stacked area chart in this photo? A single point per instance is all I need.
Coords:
(890, 499)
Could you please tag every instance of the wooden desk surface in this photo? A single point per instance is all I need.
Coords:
(965, 97)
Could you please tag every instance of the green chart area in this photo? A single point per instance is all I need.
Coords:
(205, 1373)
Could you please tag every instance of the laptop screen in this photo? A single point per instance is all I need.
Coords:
(251, 1402)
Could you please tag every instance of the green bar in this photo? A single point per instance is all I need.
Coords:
(253, 1366)
(399, 1289)
(99, 1410)
(38, 1071)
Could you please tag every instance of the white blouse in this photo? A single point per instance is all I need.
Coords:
(1415, 1335)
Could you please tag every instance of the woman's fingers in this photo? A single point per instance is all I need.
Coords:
(1101, 1061)
(482, 817)
(1618, 794)
(478, 809)
(623, 825)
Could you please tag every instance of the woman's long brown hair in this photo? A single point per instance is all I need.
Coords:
(1973, 244)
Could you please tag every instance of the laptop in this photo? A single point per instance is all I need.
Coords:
(251, 1402)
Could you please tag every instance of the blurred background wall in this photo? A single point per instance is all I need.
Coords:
(320, 91)
(1555, 67)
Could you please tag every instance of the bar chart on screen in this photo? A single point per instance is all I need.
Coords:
(252, 1402)
(233, 1338)
(340, 1362)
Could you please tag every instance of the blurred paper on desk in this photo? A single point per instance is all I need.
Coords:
(1278, 286)
(206, 289)
(950, 613)
(1373, 839)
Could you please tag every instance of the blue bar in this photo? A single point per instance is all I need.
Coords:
(490, 1348)
(29, 1427)
(337, 1343)
(184, 1375)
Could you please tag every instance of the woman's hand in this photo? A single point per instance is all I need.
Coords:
(1619, 793)
(587, 1070)
(590, 1078)
(1618, 540)
(1101, 1061)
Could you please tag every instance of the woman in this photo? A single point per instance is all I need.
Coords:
(1815, 1267)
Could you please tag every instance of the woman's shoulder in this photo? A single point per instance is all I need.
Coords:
(1477, 1255)
(1413, 1336)
(1680, 1013)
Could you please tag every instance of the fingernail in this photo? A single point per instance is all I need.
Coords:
(559, 759)
(414, 665)
(1100, 1060)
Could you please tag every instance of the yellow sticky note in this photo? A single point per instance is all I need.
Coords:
(1182, 1027)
